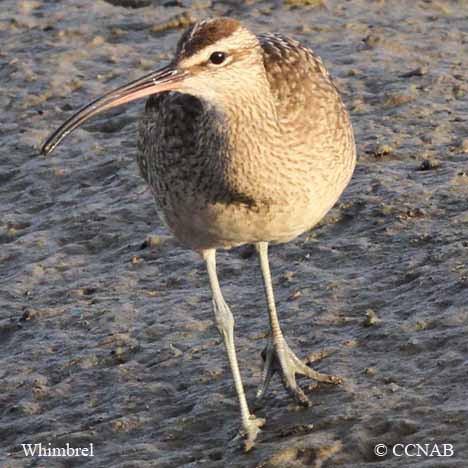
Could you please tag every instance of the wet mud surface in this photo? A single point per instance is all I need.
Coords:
(106, 334)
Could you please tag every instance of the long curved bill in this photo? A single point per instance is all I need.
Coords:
(165, 79)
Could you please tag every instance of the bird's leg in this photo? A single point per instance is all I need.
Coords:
(225, 323)
(278, 356)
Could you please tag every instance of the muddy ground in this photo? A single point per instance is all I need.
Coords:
(106, 334)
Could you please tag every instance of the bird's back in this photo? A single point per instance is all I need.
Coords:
(312, 115)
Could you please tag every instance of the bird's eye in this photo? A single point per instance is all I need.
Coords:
(217, 58)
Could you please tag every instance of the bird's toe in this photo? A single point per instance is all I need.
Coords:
(251, 430)
(282, 360)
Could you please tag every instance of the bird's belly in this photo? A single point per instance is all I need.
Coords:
(202, 226)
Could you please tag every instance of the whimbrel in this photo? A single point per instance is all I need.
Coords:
(244, 140)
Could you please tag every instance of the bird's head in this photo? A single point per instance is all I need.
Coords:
(218, 58)
(215, 59)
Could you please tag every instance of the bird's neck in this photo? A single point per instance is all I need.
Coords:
(251, 142)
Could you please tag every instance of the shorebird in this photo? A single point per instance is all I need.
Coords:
(244, 140)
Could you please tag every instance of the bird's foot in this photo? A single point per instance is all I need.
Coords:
(278, 357)
(250, 431)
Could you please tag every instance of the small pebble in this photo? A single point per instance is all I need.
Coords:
(420, 71)
(429, 165)
(464, 146)
(371, 318)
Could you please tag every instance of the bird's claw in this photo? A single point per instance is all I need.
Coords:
(250, 431)
(281, 359)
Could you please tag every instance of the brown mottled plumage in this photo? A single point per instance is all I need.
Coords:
(276, 193)
(204, 33)
(244, 139)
